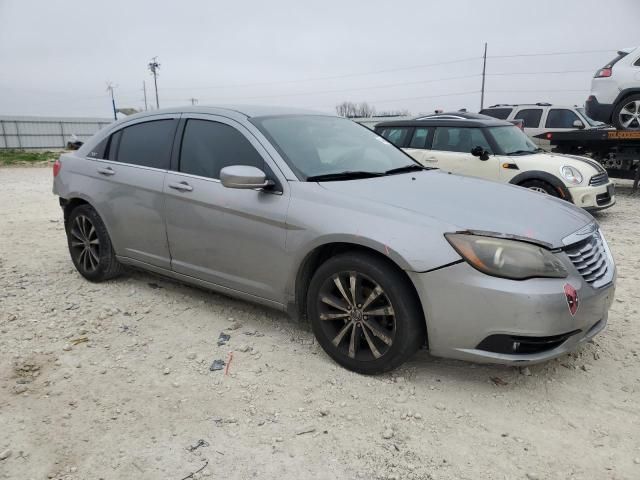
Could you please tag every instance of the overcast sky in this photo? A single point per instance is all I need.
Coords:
(57, 56)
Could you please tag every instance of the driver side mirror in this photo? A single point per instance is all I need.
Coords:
(244, 177)
(480, 152)
(578, 124)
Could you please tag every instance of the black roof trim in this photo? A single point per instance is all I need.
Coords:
(441, 122)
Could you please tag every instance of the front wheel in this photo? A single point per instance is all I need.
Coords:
(364, 313)
(541, 187)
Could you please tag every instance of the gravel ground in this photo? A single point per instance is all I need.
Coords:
(112, 381)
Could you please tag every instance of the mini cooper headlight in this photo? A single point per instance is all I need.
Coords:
(571, 174)
(505, 258)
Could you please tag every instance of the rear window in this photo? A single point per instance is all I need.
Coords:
(620, 56)
(530, 117)
(499, 113)
(147, 144)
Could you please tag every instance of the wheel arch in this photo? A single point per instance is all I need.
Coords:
(627, 92)
(321, 253)
(554, 181)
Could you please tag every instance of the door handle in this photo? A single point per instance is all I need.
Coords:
(182, 186)
(106, 171)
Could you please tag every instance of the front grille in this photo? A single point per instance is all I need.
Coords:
(599, 179)
(590, 259)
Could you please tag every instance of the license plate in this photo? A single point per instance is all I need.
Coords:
(611, 190)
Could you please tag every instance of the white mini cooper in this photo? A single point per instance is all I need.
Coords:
(480, 146)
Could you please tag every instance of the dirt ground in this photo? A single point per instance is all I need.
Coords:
(112, 381)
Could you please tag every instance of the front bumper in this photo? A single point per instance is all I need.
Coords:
(598, 111)
(464, 307)
(594, 198)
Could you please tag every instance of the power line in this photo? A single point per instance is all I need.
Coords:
(504, 74)
(550, 54)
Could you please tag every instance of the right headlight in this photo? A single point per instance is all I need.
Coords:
(571, 175)
(506, 258)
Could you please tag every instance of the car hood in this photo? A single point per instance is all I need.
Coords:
(468, 203)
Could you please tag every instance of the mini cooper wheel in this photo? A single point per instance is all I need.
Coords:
(540, 187)
(364, 313)
(90, 245)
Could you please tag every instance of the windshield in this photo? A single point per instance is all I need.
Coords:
(590, 121)
(511, 140)
(317, 146)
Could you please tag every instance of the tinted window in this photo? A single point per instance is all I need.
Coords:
(112, 147)
(500, 113)
(637, 64)
(147, 144)
(208, 147)
(99, 150)
(530, 117)
(396, 135)
(561, 118)
(451, 139)
(420, 137)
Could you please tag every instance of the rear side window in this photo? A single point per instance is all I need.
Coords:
(619, 57)
(396, 135)
(561, 118)
(530, 117)
(499, 113)
(420, 138)
(100, 150)
(208, 147)
(146, 144)
(452, 139)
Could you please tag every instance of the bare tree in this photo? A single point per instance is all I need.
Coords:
(352, 110)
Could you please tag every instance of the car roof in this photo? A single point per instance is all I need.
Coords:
(452, 119)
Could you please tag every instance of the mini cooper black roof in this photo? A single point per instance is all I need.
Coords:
(448, 119)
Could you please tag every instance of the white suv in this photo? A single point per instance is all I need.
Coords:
(478, 146)
(539, 119)
(615, 91)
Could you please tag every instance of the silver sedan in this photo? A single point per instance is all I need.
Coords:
(318, 216)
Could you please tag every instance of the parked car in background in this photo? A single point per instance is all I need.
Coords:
(321, 217)
(538, 119)
(615, 91)
(480, 146)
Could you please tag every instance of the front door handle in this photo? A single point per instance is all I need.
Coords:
(106, 171)
(182, 186)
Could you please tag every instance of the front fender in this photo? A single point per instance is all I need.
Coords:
(547, 177)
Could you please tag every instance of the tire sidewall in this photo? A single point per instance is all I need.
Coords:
(548, 188)
(618, 109)
(410, 330)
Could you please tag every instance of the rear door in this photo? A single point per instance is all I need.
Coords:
(452, 147)
(127, 188)
(230, 237)
(420, 144)
(532, 122)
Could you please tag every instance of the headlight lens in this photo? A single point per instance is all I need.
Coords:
(571, 174)
(506, 258)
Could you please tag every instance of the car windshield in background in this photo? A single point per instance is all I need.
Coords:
(331, 147)
(590, 121)
(512, 141)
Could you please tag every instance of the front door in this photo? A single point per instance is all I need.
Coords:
(229, 237)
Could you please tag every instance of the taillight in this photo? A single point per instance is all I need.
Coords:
(604, 73)
(57, 166)
(549, 136)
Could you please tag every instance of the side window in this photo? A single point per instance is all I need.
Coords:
(208, 147)
(499, 113)
(530, 117)
(100, 150)
(451, 139)
(146, 144)
(420, 137)
(637, 64)
(112, 147)
(561, 118)
(396, 135)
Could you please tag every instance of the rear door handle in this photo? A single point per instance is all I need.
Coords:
(106, 171)
(182, 186)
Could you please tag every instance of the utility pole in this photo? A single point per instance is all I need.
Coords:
(154, 66)
(144, 89)
(194, 101)
(484, 69)
(110, 88)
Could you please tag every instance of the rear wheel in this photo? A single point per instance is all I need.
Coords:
(364, 313)
(90, 246)
(541, 186)
(626, 115)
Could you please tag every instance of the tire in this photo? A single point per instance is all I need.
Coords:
(541, 186)
(90, 246)
(626, 114)
(347, 336)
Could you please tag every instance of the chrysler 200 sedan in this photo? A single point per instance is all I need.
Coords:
(318, 216)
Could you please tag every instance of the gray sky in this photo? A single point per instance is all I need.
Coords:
(56, 57)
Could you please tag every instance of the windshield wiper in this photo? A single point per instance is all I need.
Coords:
(407, 168)
(346, 175)
(524, 152)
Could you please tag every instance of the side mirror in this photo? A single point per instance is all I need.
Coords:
(480, 152)
(578, 124)
(245, 177)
